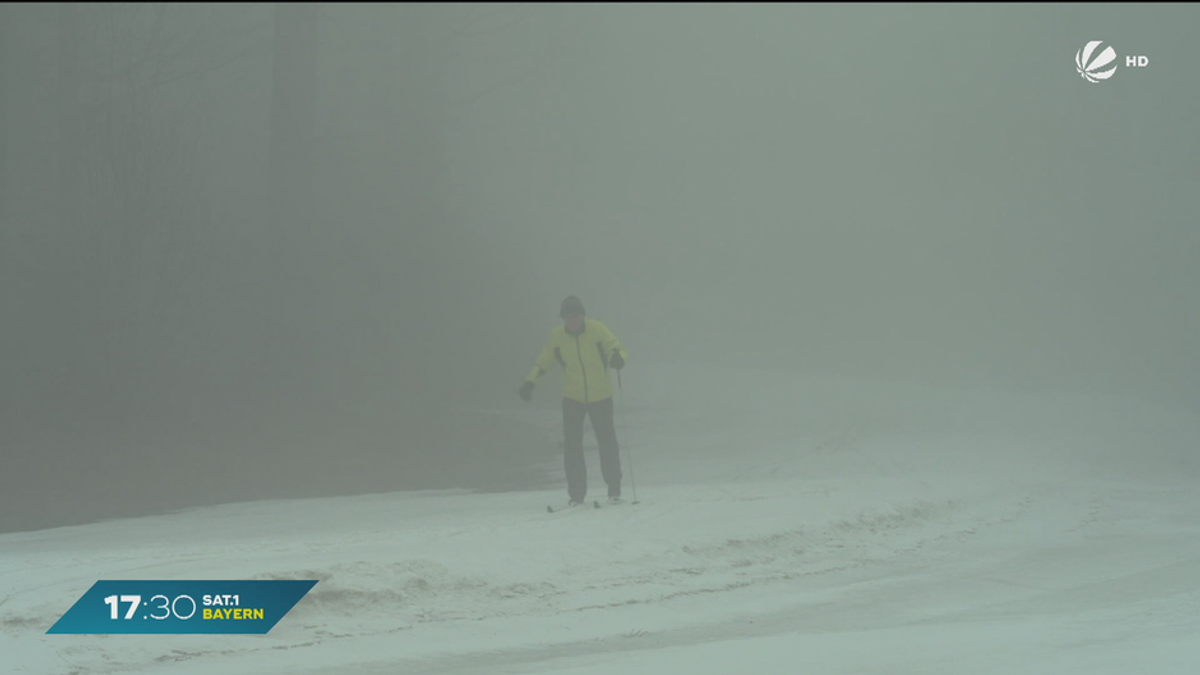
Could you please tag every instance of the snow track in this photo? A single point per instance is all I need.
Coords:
(862, 533)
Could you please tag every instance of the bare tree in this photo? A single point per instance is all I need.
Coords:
(133, 237)
(8, 258)
(293, 109)
(288, 351)
(416, 65)
(5, 60)
(68, 113)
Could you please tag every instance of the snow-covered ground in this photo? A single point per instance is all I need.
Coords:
(786, 524)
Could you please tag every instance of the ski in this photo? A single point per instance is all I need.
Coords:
(595, 505)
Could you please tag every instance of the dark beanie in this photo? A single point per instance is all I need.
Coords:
(570, 306)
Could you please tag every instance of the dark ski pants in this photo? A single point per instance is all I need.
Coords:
(601, 413)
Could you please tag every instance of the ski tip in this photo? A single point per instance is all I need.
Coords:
(596, 503)
(549, 509)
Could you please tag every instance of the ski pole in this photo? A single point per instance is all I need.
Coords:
(628, 454)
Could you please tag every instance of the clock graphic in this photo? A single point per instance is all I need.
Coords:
(168, 606)
(176, 606)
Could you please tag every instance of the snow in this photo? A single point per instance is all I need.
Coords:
(786, 524)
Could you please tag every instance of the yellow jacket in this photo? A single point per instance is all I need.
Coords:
(584, 360)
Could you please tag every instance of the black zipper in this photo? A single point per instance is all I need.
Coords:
(579, 351)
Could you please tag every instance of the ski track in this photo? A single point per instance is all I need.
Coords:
(866, 513)
(372, 597)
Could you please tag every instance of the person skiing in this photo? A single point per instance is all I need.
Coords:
(585, 349)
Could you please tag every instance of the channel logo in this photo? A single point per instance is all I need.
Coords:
(1097, 65)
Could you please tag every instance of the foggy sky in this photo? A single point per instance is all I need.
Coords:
(926, 193)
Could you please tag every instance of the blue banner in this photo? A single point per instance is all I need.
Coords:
(182, 607)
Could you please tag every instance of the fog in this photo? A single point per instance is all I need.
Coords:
(254, 251)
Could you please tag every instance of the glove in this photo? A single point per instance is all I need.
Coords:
(526, 390)
(615, 361)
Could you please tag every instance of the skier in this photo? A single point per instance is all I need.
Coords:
(585, 349)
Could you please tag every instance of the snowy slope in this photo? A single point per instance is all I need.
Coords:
(784, 523)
